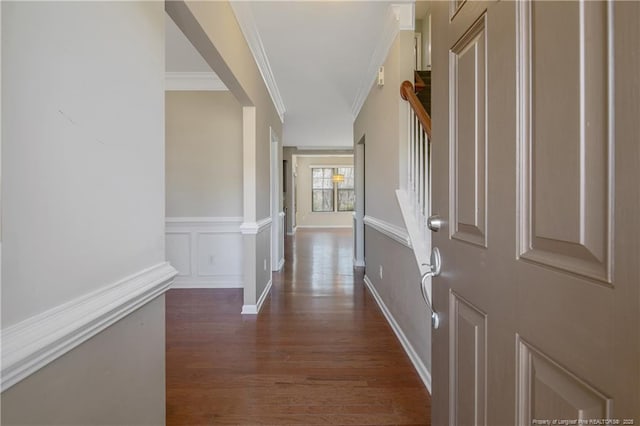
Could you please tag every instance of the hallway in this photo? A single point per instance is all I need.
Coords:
(319, 352)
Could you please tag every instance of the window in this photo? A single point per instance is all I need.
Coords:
(346, 191)
(329, 196)
(322, 189)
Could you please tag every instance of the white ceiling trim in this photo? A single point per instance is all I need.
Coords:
(187, 81)
(391, 28)
(247, 23)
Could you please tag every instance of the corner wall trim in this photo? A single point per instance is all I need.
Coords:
(36, 341)
(254, 228)
(255, 309)
(422, 370)
(392, 231)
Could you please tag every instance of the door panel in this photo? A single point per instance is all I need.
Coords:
(565, 159)
(468, 157)
(468, 340)
(536, 163)
(547, 390)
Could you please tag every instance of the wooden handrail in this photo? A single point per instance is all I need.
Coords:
(408, 94)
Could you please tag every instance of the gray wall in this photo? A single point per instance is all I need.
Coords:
(381, 120)
(203, 154)
(83, 189)
(115, 378)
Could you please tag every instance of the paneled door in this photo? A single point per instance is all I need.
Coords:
(536, 169)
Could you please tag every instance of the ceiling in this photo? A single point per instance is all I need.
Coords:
(320, 55)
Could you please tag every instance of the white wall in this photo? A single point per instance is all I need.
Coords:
(83, 186)
(305, 217)
(203, 154)
(83, 156)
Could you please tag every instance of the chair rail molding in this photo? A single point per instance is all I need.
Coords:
(253, 228)
(390, 230)
(37, 341)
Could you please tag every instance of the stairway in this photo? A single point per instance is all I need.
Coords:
(422, 84)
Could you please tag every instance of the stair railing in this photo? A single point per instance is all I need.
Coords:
(418, 197)
(418, 151)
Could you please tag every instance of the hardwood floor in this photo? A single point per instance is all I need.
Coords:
(319, 352)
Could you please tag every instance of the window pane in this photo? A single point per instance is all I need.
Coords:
(348, 182)
(320, 180)
(346, 200)
(322, 200)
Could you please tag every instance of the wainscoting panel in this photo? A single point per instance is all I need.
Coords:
(207, 251)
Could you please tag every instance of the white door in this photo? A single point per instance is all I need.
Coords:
(536, 167)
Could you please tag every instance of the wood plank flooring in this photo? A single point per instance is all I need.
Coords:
(319, 352)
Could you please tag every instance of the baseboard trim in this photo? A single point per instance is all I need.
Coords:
(255, 309)
(280, 264)
(37, 341)
(358, 263)
(422, 370)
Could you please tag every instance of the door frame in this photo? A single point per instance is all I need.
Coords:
(277, 241)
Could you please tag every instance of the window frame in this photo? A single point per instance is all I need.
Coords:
(335, 188)
(346, 189)
(323, 189)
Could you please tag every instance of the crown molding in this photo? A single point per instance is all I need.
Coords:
(249, 28)
(178, 81)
